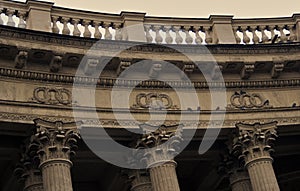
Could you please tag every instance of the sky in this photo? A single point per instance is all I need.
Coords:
(189, 8)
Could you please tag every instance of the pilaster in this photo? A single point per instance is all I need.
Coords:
(39, 15)
(134, 26)
(254, 145)
(57, 142)
(222, 29)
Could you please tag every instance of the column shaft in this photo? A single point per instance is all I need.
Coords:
(240, 181)
(34, 181)
(57, 175)
(164, 178)
(262, 175)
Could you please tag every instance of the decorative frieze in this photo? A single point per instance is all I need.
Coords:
(110, 82)
(244, 100)
(52, 96)
(154, 101)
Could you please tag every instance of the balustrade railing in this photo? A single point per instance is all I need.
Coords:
(178, 31)
(87, 24)
(161, 30)
(13, 14)
(273, 30)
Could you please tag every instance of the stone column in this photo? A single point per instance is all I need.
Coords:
(57, 142)
(28, 169)
(254, 145)
(160, 149)
(140, 180)
(238, 176)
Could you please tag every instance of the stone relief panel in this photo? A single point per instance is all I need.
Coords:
(52, 96)
(156, 101)
(244, 100)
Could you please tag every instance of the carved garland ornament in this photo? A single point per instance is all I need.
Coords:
(53, 96)
(248, 100)
(154, 101)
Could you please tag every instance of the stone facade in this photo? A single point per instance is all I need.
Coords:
(51, 94)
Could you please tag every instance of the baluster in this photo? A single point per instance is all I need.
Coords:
(55, 28)
(148, 35)
(198, 39)
(264, 37)
(97, 33)
(188, 37)
(178, 38)
(237, 38)
(66, 30)
(10, 21)
(124, 34)
(208, 36)
(246, 38)
(22, 23)
(87, 33)
(107, 35)
(255, 37)
(293, 36)
(283, 37)
(168, 39)
(76, 31)
(272, 30)
(158, 37)
(118, 35)
(1, 20)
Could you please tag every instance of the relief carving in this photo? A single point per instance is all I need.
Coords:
(244, 100)
(53, 96)
(154, 101)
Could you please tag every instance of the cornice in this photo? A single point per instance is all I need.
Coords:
(7, 32)
(16, 74)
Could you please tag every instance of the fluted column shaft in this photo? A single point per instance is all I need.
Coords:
(262, 174)
(240, 181)
(33, 181)
(164, 178)
(141, 183)
(57, 175)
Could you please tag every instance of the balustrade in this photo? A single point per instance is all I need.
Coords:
(14, 17)
(176, 34)
(161, 30)
(263, 31)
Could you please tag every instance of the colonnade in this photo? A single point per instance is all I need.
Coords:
(47, 158)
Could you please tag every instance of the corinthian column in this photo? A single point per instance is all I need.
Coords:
(140, 180)
(56, 142)
(238, 176)
(254, 144)
(160, 146)
(28, 170)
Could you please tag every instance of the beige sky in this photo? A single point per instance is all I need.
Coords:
(189, 8)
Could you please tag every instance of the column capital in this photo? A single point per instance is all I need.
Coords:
(57, 141)
(27, 170)
(255, 141)
(160, 143)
